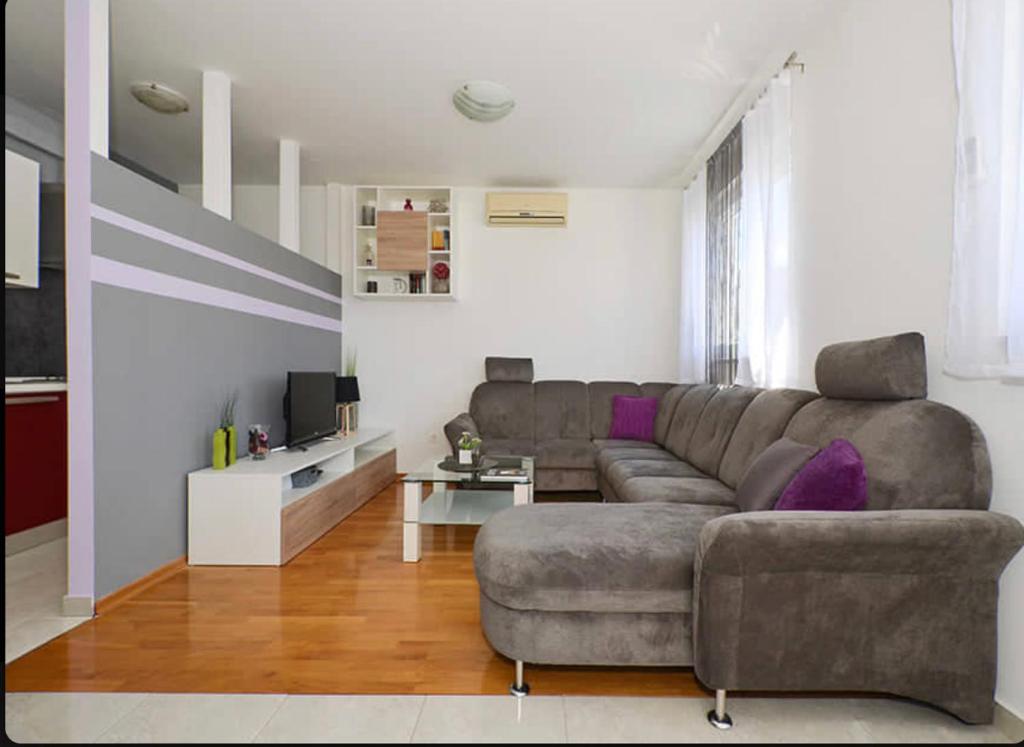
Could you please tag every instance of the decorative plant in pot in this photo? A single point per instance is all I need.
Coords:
(441, 272)
(468, 445)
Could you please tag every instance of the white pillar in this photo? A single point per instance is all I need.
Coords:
(217, 143)
(332, 238)
(99, 76)
(79, 19)
(288, 196)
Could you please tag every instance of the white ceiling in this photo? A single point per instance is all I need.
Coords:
(610, 93)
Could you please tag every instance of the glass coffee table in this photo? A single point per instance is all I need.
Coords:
(459, 498)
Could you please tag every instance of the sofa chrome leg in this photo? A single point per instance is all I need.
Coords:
(519, 688)
(717, 716)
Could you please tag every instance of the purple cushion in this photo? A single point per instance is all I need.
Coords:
(834, 480)
(633, 417)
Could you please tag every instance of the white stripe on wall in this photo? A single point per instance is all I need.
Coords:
(144, 229)
(119, 274)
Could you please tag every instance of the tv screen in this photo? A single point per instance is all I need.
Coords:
(309, 406)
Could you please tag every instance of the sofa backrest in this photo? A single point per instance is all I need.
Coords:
(562, 410)
(715, 426)
(600, 394)
(667, 410)
(503, 406)
(503, 409)
(917, 454)
(762, 423)
(684, 420)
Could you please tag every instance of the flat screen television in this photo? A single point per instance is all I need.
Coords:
(309, 406)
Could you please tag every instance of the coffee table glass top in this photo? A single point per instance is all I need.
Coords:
(430, 472)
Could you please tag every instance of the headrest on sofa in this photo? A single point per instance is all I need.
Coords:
(883, 368)
(509, 369)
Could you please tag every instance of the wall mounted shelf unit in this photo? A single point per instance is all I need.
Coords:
(392, 246)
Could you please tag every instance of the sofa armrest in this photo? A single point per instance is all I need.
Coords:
(892, 601)
(906, 541)
(454, 428)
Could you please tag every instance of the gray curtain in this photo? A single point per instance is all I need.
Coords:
(723, 242)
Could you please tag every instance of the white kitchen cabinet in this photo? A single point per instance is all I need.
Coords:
(21, 221)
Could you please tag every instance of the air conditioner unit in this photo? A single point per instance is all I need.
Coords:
(527, 208)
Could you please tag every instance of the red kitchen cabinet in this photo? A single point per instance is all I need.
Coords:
(35, 459)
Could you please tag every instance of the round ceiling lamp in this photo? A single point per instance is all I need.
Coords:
(483, 100)
(159, 97)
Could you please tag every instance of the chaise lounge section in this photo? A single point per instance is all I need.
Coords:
(668, 571)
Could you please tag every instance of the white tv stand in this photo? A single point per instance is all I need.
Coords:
(250, 514)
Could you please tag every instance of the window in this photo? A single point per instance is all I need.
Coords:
(723, 243)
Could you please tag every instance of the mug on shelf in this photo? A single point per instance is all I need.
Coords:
(400, 285)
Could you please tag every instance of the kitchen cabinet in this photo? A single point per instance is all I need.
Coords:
(21, 221)
(35, 459)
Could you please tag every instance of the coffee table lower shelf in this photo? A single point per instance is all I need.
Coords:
(446, 506)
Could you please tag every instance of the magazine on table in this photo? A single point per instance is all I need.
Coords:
(505, 474)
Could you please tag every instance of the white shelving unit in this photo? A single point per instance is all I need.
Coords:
(364, 244)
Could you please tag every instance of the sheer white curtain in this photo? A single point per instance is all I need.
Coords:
(986, 309)
(764, 324)
(693, 301)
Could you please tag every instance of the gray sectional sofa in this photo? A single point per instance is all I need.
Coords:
(899, 598)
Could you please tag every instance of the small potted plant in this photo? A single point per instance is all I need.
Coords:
(468, 444)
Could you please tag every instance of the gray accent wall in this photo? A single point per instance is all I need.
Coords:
(163, 366)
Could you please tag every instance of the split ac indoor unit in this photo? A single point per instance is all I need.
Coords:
(527, 208)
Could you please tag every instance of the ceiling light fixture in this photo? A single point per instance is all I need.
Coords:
(159, 97)
(483, 100)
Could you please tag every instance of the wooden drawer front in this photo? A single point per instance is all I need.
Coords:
(377, 474)
(306, 520)
(402, 240)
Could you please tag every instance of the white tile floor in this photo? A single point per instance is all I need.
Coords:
(101, 717)
(35, 582)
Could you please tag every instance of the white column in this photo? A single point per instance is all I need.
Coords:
(217, 143)
(99, 76)
(332, 238)
(78, 121)
(288, 195)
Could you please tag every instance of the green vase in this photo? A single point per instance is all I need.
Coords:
(220, 448)
(232, 445)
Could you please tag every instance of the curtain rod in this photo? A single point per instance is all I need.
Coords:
(791, 63)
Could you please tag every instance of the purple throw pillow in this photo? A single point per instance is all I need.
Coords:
(633, 417)
(834, 480)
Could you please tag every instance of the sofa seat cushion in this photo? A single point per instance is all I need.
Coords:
(624, 469)
(622, 443)
(565, 453)
(695, 490)
(572, 557)
(607, 457)
(508, 446)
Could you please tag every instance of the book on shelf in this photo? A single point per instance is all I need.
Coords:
(505, 474)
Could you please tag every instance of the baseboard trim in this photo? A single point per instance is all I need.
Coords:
(72, 606)
(40, 535)
(1009, 723)
(116, 598)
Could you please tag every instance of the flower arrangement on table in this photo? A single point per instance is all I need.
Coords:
(468, 444)
(441, 272)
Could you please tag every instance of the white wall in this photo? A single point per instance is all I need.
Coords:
(255, 207)
(874, 121)
(595, 300)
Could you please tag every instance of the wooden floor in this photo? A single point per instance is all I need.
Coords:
(345, 616)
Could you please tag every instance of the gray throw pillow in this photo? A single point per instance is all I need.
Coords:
(770, 473)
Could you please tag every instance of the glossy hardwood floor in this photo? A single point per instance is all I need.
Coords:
(345, 616)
